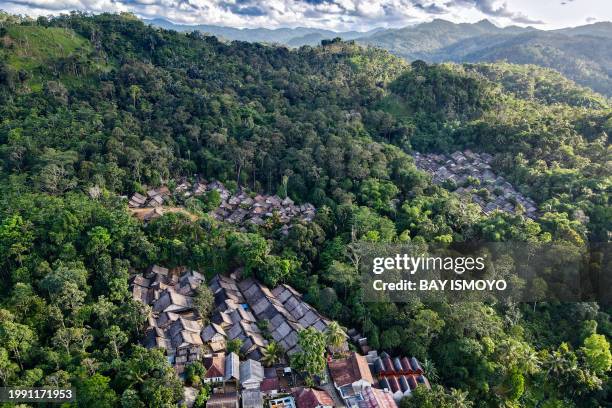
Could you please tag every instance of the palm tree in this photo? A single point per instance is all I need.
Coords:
(272, 354)
(335, 336)
(459, 399)
(134, 93)
(531, 361)
(430, 370)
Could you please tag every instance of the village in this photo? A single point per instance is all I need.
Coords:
(241, 208)
(470, 175)
(233, 343)
(466, 173)
(248, 318)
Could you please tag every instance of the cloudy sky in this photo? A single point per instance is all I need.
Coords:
(336, 14)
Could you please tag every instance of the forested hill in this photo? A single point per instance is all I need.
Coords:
(95, 107)
(580, 53)
(422, 40)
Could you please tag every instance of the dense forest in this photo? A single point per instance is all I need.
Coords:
(581, 53)
(94, 108)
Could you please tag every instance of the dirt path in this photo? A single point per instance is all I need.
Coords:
(156, 212)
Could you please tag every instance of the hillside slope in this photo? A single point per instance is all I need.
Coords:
(585, 59)
(420, 41)
(580, 53)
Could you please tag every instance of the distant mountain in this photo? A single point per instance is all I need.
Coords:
(315, 38)
(585, 59)
(418, 42)
(602, 29)
(293, 37)
(581, 53)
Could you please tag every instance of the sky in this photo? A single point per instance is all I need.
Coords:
(338, 15)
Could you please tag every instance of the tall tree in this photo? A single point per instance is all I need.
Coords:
(311, 359)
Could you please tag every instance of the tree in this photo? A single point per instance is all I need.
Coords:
(211, 200)
(133, 315)
(135, 92)
(63, 274)
(204, 301)
(276, 270)
(335, 335)
(513, 386)
(459, 399)
(249, 249)
(342, 275)
(99, 240)
(73, 339)
(29, 378)
(69, 298)
(390, 339)
(16, 338)
(596, 351)
(116, 339)
(234, 346)
(7, 368)
(203, 396)
(311, 360)
(56, 179)
(437, 397)
(272, 354)
(95, 392)
(131, 399)
(378, 194)
(149, 373)
(15, 241)
(194, 373)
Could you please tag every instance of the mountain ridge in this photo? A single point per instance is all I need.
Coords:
(282, 35)
(577, 52)
(580, 53)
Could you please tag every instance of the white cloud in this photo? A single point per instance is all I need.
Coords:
(333, 14)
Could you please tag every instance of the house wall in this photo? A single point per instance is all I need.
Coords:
(250, 384)
(358, 386)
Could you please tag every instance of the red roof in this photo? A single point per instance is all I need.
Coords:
(388, 364)
(349, 370)
(375, 398)
(269, 384)
(215, 366)
(406, 364)
(394, 384)
(311, 398)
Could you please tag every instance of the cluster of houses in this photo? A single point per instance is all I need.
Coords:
(248, 381)
(247, 310)
(240, 209)
(470, 175)
(376, 381)
(174, 325)
(357, 381)
(153, 198)
(243, 208)
(250, 311)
